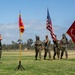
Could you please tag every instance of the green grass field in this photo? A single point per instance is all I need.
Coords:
(10, 61)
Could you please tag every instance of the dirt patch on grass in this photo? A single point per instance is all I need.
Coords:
(71, 53)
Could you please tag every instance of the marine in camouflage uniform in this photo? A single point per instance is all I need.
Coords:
(64, 42)
(0, 46)
(0, 49)
(56, 49)
(47, 48)
(38, 47)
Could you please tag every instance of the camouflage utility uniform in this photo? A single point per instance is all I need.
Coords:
(47, 48)
(64, 42)
(38, 48)
(56, 49)
(0, 49)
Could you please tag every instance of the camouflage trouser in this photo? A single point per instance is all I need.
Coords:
(56, 52)
(37, 52)
(64, 49)
(45, 53)
(0, 53)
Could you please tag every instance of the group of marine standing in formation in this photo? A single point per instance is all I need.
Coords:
(59, 47)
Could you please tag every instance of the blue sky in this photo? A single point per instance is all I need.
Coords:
(34, 13)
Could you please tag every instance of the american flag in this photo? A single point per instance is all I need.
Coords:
(49, 26)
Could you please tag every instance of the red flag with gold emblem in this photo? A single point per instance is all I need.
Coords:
(21, 25)
(71, 32)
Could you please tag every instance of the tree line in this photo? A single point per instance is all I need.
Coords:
(29, 45)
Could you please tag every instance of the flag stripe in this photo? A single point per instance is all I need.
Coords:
(49, 26)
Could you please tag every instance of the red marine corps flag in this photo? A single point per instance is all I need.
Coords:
(71, 32)
(21, 30)
(21, 26)
(49, 26)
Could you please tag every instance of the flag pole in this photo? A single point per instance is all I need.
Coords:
(20, 52)
(20, 39)
(20, 45)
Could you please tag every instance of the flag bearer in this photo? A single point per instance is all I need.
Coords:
(64, 42)
(38, 47)
(47, 48)
(56, 48)
(0, 45)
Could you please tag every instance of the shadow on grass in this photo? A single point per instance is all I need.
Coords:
(0, 62)
(71, 60)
